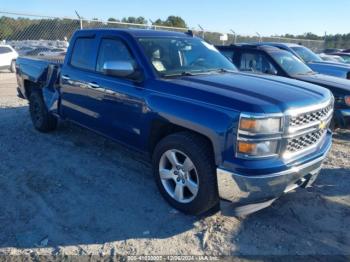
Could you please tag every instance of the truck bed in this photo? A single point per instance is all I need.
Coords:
(42, 72)
(35, 69)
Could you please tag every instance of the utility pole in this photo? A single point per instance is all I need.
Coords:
(80, 18)
(153, 24)
(203, 33)
(234, 36)
(259, 37)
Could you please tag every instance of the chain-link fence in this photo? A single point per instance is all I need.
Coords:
(35, 34)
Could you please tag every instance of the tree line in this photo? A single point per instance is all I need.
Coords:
(53, 29)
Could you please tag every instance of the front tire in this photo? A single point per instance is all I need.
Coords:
(42, 120)
(185, 172)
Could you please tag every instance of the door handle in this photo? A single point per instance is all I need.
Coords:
(65, 77)
(93, 85)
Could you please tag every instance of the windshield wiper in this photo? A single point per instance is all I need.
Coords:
(184, 73)
(199, 72)
(221, 70)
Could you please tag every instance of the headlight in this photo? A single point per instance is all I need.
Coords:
(260, 126)
(259, 149)
(258, 136)
(347, 100)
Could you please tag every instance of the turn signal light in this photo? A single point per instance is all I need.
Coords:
(247, 124)
(246, 148)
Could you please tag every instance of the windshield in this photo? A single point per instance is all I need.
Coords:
(290, 63)
(184, 56)
(306, 54)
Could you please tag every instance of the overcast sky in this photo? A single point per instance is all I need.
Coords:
(268, 17)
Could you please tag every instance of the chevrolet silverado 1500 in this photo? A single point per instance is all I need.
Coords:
(211, 132)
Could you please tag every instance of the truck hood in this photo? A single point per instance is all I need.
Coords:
(335, 84)
(251, 93)
(329, 64)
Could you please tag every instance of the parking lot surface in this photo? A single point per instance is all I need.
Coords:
(74, 192)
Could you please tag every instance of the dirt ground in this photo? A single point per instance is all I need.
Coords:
(74, 192)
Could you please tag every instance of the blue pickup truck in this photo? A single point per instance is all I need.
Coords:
(212, 133)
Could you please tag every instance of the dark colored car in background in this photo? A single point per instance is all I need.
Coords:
(313, 60)
(37, 51)
(332, 50)
(258, 58)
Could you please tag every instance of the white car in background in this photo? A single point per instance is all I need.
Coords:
(8, 57)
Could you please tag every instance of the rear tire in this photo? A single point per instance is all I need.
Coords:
(42, 120)
(13, 66)
(194, 170)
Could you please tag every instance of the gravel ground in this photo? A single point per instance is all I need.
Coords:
(74, 192)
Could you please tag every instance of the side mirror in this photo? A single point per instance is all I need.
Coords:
(119, 69)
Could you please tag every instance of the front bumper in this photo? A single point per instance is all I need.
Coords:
(242, 194)
(343, 118)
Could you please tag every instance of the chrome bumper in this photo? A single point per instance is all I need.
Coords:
(345, 112)
(242, 195)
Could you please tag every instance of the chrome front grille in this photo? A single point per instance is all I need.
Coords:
(305, 141)
(306, 130)
(310, 117)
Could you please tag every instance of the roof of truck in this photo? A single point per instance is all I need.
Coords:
(140, 32)
(267, 48)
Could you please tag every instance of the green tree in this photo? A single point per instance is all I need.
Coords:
(111, 19)
(171, 21)
(135, 20)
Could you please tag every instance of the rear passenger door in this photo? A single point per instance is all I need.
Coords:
(82, 98)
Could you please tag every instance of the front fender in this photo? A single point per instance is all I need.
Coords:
(215, 123)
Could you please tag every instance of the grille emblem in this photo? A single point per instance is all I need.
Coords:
(322, 125)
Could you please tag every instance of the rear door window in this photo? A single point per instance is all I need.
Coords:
(82, 56)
